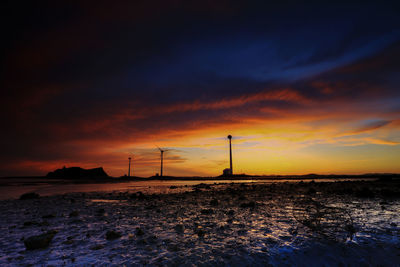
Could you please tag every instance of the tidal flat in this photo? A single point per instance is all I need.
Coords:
(350, 223)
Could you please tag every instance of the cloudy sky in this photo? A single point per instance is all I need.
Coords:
(303, 88)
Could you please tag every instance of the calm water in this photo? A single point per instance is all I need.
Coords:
(13, 188)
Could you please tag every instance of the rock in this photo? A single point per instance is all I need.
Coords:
(365, 192)
(68, 242)
(231, 212)
(311, 191)
(39, 241)
(200, 233)
(179, 228)
(214, 202)
(74, 214)
(101, 212)
(242, 232)
(138, 195)
(111, 235)
(173, 248)
(31, 223)
(139, 232)
(97, 247)
(49, 216)
(388, 193)
(29, 196)
(250, 204)
(393, 224)
(206, 211)
(351, 230)
(173, 187)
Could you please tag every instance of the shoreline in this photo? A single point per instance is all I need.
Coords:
(210, 224)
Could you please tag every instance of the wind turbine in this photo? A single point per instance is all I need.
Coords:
(162, 159)
(129, 166)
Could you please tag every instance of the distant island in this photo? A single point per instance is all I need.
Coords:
(78, 173)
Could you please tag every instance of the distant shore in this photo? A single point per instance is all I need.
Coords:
(110, 179)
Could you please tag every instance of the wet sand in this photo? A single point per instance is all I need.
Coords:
(281, 224)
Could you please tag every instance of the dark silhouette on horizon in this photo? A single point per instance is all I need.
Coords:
(78, 172)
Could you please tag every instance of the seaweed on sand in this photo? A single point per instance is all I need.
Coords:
(330, 222)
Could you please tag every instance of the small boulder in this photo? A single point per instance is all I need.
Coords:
(179, 228)
(365, 192)
(97, 247)
(200, 233)
(139, 231)
(74, 214)
(100, 212)
(39, 241)
(311, 191)
(250, 204)
(206, 211)
(31, 223)
(214, 202)
(111, 235)
(49, 216)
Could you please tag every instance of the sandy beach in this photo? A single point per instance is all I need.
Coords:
(280, 224)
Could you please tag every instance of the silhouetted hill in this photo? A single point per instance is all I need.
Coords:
(77, 172)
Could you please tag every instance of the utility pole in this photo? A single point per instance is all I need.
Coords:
(230, 152)
(162, 156)
(129, 167)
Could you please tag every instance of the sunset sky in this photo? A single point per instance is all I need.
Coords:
(302, 88)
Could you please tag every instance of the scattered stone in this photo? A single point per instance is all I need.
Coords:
(311, 191)
(214, 202)
(231, 212)
(68, 242)
(242, 198)
(250, 204)
(31, 195)
(100, 212)
(365, 192)
(138, 195)
(388, 193)
(206, 211)
(49, 216)
(351, 230)
(179, 228)
(173, 187)
(242, 232)
(97, 247)
(173, 248)
(39, 241)
(44, 223)
(31, 223)
(74, 214)
(200, 233)
(141, 242)
(112, 235)
(139, 232)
